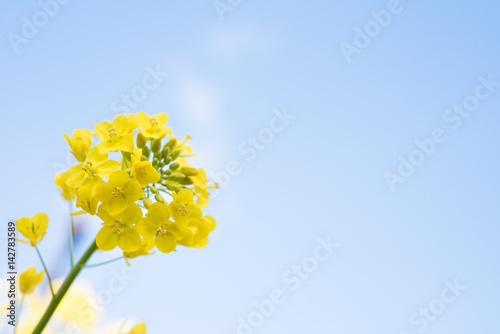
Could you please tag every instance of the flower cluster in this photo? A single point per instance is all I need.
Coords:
(125, 191)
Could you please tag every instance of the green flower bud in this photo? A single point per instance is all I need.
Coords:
(127, 156)
(146, 152)
(171, 143)
(174, 166)
(161, 164)
(168, 160)
(141, 140)
(175, 154)
(189, 171)
(144, 158)
(159, 198)
(173, 187)
(168, 172)
(154, 190)
(156, 145)
(186, 181)
(177, 177)
(155, 161)
(143, 196)
(147, 203)
(165, 152)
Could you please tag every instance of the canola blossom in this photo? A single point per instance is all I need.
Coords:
(138, 180)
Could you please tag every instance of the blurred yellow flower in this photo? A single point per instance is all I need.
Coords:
(29, 279)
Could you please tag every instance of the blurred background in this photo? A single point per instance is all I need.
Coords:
(307, 114)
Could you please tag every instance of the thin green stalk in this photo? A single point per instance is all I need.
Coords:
(46, 271)
(103, 263)
(125, 159)
(71, 250)
(19, 312)
(64, 288)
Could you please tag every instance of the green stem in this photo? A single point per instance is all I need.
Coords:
(46, 271)
(103, 263)
(19, 313)
(64, 288)
(72, 234)
(125, 159)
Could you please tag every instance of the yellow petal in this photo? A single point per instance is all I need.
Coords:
(102, 130)
(162, 119)
(145, 173)
(116, 205)
(129, 240)
(158, 214)
(132, 190)
(165, 242)
(145, 228)
(106, 238)
(138, 329)
(143, 120)
(29, 279)
(106, 168)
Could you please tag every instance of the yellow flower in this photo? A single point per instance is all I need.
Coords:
(154, 126)
(85, 195)
(118, 192)
(201, 187)
(66, 192)
(146, 245)
(33, 228)
(119, 230)
(95, 165)
(80, 143)
(182, 208)
(145, 173)
(117, 135)
(156, 224)
(200, 229)
(138, 329)
(29, 279)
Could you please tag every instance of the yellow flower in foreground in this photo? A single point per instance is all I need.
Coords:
(145, 173)
(33, 228)
(95, 165)
(157, 225)
(29, 279)
(80, 143)
(138, 329)
(182, 208)
(66, 192)
(119, 230)
(154, 126)
(117, 135)
(118, 192)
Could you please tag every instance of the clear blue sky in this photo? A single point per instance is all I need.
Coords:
(323, 172)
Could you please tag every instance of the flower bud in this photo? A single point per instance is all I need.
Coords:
(147, 203)
(143, 196)
(176, 177)
(186, 181)
(127, 156)
(175, 154)
(171, 143)
(141, 140)
(159, 198)
(174, 166)
(144, 158)
(155, 161)
(146, 152)
(165, 152)
(156, 145)
(173, 187)
(154, 190)
(168, 160)
(189, 171)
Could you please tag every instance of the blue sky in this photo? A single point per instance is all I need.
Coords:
(322, 174)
